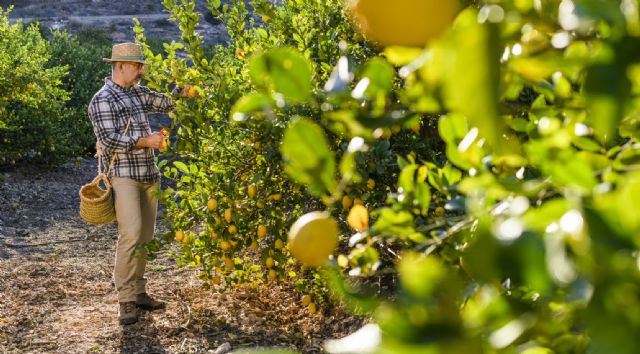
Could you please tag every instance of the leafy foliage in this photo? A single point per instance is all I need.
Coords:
(523, 239)
(46, 86)
(31, 96)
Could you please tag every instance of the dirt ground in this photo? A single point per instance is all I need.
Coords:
(57, 295)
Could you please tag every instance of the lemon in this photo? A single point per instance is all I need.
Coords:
(275, 196)
(313, 237)
(251, 191)
(439, 211)
(225, 245)
(312, 308)
(227, 215)
(233, 229)
(278, 244)
(371, 183)
(343, 261)
(254, 245)
(347, 202)
(272, 274)
(228, 263)
(262, 231)
(179, 236)
(259, 205)
(212, 204)
(216, 280)
(411, 23)
(358, 218)
(306, 300)
(269, 262)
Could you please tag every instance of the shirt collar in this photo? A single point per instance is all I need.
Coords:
(109, 82)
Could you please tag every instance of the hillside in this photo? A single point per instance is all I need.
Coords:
(113, 16)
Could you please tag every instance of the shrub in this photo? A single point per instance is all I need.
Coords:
(32, 96)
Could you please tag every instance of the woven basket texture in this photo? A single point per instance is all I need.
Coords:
(96, 203)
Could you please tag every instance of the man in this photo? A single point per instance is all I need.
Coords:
(134, 175)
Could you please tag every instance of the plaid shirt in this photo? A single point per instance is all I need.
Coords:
(109, 111)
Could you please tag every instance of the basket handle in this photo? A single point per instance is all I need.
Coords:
(115, 154)
(101, 177)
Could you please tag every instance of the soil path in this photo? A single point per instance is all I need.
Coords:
(57, 295)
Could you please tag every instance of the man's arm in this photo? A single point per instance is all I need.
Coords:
(153, 101)
(106, 128)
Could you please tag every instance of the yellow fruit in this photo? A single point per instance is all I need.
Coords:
(439, 211)
(214, 234)
(346, 202)
(278, 245)
(269, 262)
(262, 231)
(416, 128)
(251, 191)
(192, 92)
(266, 18)
(225, 245)
(275, 196)
(179, 236)
(233, 243)
(371, 183)
(227, 215)
(254, 245)
(306, 300)
(232, 229)
(212, 204)
(358, 218)
(313, 237)
(259, 205)
(312, 308)
(343, 261)
(257, 145)
(272, 274)
(228, 263)
(216, 280)
(411, 23)
(217, 220)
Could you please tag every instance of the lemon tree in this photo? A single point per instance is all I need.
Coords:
(502, 158)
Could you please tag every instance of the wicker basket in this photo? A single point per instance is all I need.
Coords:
(96, 203)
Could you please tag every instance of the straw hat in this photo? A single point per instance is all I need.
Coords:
(126, 52)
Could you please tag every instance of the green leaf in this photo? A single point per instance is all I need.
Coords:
(473, 79)
(181, 166)
(399, 224)
(285, 71)
(377, 80)
(250, 105)
(307, 157)
(420, 276)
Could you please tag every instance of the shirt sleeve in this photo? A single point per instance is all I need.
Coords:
(107, 128)
(153, 101)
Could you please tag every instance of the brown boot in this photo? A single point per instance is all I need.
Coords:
(145, 302)
(128, 313)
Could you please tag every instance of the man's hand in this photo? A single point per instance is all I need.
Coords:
(189, 91)
(153, 141)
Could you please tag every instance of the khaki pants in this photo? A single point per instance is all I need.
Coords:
(136, 209)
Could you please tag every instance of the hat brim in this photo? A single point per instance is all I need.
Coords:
(109, 60)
